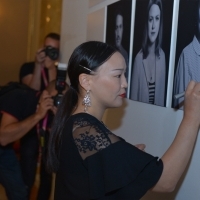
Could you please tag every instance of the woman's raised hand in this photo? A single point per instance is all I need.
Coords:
(192, 103)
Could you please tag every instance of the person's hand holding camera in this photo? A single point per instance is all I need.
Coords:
(45, 103)
(54, 109)
(47, 55)
(40, 56)
(49, 63)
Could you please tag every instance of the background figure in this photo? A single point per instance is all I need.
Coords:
(18, 118)
(39, 73)
(188, 67)
(119, 28)
(45, 184)
(10, 174)
(149, 69)
(37, 76)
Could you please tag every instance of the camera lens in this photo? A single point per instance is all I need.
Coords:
(52, 52)
(57, 99)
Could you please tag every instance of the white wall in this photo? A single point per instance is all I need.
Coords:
(136, 122)
(73, 26)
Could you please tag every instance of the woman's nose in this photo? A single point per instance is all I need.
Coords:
(153, 24)
(124, 83)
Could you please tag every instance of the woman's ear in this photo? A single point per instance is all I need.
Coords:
(84, 80)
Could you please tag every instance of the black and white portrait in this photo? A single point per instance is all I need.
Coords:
(118, 28)
(151, 47)
(187, 62)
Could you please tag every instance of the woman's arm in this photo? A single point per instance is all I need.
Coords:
(177, 156)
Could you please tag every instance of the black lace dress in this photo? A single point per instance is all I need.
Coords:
(96, 164)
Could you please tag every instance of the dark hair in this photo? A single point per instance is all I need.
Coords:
(145, 42)
(88, 56)
(52, 35)
(118, 11)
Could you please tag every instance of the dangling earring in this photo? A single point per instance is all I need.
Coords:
(86, 101)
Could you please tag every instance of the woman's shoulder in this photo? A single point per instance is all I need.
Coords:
(84, 120)
(139, 55)
(162, 53)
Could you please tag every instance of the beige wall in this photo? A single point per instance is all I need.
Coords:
(73, 26)
(13, 37)
(50, 9)
(45, 17)
(23, 26)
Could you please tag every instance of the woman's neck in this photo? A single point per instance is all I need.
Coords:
(151, 48)
(95, 111)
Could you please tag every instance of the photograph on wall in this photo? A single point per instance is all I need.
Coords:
(118, 28)
(187, 60)
(151, 51)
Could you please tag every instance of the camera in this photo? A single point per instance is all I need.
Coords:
(60, 82)
(51, 52)
(57, 99)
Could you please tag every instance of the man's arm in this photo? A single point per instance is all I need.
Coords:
(33, 80)
(11, 129)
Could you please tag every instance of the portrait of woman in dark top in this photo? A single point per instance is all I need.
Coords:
(89, 160)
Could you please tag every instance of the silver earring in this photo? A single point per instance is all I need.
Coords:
(86, 101)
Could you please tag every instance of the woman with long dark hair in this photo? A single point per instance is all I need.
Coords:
(149, 69)
(89, 160)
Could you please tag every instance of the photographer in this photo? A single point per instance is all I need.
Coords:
(37, 75)
(19, 115)
(56, 89)
(18, 119)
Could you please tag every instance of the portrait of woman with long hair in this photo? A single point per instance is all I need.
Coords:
(149, 68)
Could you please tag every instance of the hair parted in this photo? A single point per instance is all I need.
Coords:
(145, 42)
(85, 58)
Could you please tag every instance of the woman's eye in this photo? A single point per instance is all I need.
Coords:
(118, 76)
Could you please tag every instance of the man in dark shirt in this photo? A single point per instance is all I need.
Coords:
(37, 75)
(20, 112)
(43, 70)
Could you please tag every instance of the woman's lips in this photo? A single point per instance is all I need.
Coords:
(123, 95)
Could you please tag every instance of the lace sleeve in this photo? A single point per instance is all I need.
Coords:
(90, 140)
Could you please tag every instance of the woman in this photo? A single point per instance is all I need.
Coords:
(149, 70)
(89, 160)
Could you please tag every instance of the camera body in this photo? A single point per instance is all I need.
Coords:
(51, 52)
(57, 99)
(60, 82)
